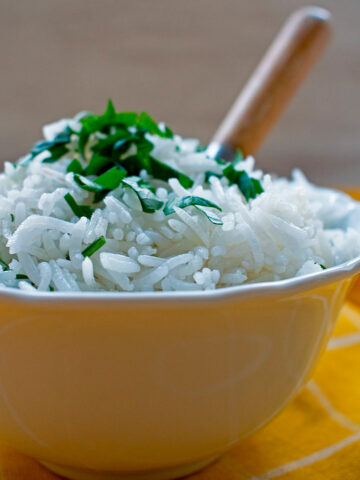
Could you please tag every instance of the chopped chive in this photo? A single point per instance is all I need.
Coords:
(56, 152)
(56, 147)
(87, 184)
(214, 220)
(162, 171)
(20, 276)
(201, 148)
(97, 165)
(148, 200)
(146, 122)
(239, 157)
(209, 174)
(187, 201)
(75, 167)
(4, 265)
(249, 187)
(12, 217)
(94, 246)
(322, 266)
(111, 179)
(115, 147)
(105, 146)
(79, 210)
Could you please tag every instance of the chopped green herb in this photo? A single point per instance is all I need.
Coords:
(97, 123)
(57, 147)
(212, 219)
(25, 160)
(201, 148)
(75, 167)
(111, 179)
(123, 145)
(120, 149)
(94, 246)
(209, 174)
(322, 266)
(12, 217)
(56, 152)
(147, 199)
(105, 146)
(127, 119)
(249, 187)
(220, 161)
(4, 265)
(20, 276)
(147, 123)
(239, 157)
(99, 196)
(134, 164)
(79, 210)
(97, 165)
(83, 139)
(143, 146)
(187, 201)
(87, 184)
(164, 172)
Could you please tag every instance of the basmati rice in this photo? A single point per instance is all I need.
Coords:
(285, 231)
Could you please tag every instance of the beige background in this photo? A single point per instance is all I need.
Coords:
(184, 62)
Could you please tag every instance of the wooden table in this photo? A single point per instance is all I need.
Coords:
(184, 62)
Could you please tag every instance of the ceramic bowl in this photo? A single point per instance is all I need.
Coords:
(157, 385)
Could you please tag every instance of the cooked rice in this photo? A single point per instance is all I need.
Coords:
(284, 232)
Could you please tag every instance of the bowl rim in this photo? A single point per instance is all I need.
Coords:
(274, 289)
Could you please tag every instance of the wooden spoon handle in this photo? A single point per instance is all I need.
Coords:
(274, 82)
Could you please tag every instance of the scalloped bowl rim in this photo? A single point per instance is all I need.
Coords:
(261, 289)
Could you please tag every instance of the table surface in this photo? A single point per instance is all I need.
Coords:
(184, 62)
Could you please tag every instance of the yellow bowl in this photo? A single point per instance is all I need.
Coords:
(156, 385)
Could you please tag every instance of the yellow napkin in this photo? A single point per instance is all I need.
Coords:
(317, 436)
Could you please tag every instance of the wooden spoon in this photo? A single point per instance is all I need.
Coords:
(283, 68)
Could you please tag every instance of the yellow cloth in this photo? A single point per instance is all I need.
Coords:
(317, 436)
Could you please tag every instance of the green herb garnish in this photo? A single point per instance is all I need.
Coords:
(20, 276)
(239, 157)
(94, 246)
(187, 201)
(111, 179)
(56, 148)
(114, 148)
(147, 123)
(249, 187)
(87, 184)
(4, 265)
(322, 266)
(209, 174)
(75, 167)
(142, 189)
(97, 165)
(214, 220)
(79, 210)
(164, 172)
(197, 202)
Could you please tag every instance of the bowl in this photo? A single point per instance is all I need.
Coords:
(158, 385)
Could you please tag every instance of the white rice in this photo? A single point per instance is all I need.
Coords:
(286, 231)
